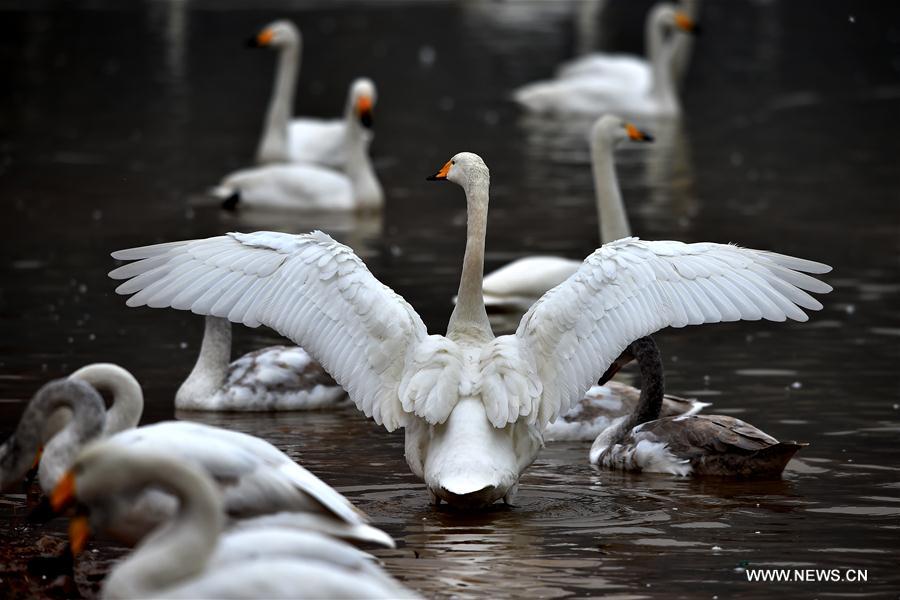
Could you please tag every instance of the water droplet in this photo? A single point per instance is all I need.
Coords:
(183, 345)
(851, 18)
(82, 288)
(97, 214)
(796, 385)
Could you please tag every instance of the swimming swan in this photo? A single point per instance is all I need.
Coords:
(272, 378)
(626, 86)
(190, 557)
(473, 404)
(334, 171)
(692, 445)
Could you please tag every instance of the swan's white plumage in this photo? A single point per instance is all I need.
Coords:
(520, 282)
(317, 292)
(631, 288)
(256, 477)
(292, 186)
(318, 141)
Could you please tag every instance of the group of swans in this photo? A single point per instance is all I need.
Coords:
(254, 477)
(307, 164)
(174, 487)
(599, 83)
(474, 406)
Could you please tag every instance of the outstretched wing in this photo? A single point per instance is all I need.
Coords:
(308, 288)
(630, 288)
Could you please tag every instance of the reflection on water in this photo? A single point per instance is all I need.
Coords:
(115, 121)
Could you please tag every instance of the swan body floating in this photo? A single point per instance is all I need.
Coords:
(603, 404)
(619, 84)
(474, 405)
(273, 378)
(634, 70)
(190, 557)
(256, 477)
(333, 172)
(520, 283)
(688, 445)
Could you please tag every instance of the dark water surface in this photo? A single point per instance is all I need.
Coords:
(113, 121)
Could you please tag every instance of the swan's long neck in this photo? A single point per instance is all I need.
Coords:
(273, 147)
(611, 211)
(127, 396)
(211, 368)
(653, 384)
(359, 169)
(17, 453)
(660, 54)
(177, 550)
(470, 317)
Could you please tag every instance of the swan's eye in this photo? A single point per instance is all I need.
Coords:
(452, 162)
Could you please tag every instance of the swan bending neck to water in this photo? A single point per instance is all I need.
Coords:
(473, 405)
(285, 37)
(684, 445)
(188, 556)
(272, 378)
(521, 282)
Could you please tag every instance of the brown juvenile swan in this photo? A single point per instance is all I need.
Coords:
(691, 445)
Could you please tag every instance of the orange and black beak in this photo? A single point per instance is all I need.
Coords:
(687, 24)
(79, 532)
(364, 111)
(442, 174)
(261, 39)
(63, 494)
(636, 134)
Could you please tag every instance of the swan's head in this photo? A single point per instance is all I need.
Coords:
(278, 34)
(610, 129)
(363, 96)
(670, 17)
(462, 169)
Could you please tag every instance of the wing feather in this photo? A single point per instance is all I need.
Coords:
(630, 288)
(309, 288)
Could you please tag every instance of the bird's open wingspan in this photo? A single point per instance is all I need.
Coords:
(628, 289)
(307, 287)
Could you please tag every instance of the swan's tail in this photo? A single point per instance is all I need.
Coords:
(229, 195)
(771, 461)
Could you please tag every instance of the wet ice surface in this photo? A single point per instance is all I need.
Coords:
(114, 121)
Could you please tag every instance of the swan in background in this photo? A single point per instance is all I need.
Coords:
(634, 68)
(688, 444)
(80, 416)
(625, 88)
(273, 378)
(330, 142)
(473, 405)
(520, 283)
(190, 557)
(336, 172)
(256, 477)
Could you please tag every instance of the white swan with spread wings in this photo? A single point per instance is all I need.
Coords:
(473, 404)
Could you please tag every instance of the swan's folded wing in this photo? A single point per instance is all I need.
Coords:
(256, 477)
(630, 288)
(308, 288)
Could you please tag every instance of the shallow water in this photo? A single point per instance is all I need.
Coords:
(114, 121)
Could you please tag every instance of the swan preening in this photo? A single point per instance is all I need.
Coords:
(691, 444)
(255, 477)
(520, 283)
(622, 84)
(303, 163)
(272, 378)
(189, 556)
(473, 405)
